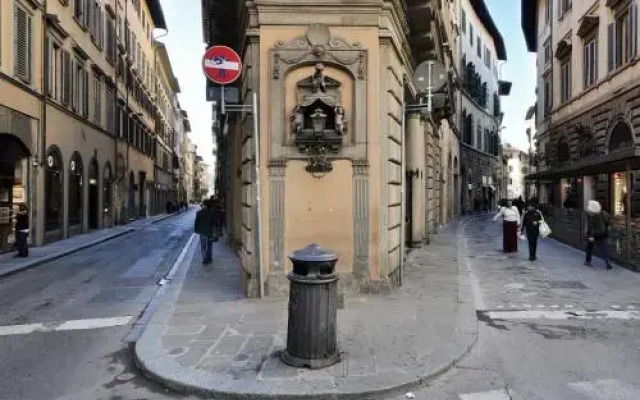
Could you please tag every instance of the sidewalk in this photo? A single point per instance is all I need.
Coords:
(206, 338)
(53, 251)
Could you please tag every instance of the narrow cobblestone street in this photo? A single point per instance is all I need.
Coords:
(549, 330)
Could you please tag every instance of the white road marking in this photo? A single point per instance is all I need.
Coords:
(491, 395)
(500, 306)
(568, 306)
(555, 306)
(540, 306)
(631, 307)
(527, 306)
(73, 325)
(560, 315)
(606, 389)
(615, 306)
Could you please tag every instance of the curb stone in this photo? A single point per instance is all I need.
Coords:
(61, 254)
(152, 361)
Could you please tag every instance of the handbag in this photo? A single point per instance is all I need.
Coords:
(543, 228)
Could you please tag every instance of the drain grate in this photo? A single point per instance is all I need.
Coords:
(567, 285)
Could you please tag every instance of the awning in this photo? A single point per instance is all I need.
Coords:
(608, 163)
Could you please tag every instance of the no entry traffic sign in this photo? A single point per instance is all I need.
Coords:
(221, 65)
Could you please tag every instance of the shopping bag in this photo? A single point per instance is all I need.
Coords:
(544, 228)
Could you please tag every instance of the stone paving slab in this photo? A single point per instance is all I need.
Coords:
(61, 248)
(206, 339)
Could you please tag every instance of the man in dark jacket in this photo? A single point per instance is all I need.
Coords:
(531, 226)
(204, 227)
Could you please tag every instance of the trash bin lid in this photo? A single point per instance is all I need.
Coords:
(313, 253)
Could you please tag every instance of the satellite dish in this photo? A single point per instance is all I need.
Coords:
(439, 77)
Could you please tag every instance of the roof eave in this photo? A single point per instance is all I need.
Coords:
(157, 15)
(483, 14)
(529, 23)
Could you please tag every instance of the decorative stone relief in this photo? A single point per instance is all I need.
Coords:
(319, 45)
(319, 98)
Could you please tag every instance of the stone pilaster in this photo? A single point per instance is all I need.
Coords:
(276, 214)
(361, 219)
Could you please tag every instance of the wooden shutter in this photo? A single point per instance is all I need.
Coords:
(22, 42)
(611, 50)
(85, 93)
(49, 75)
(633, 27)
(66, 78)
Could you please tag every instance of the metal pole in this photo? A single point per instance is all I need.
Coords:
(403, 191)
(430, 88)
(223, 111)
(256, 144)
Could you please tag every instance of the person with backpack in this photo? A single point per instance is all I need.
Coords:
(597, 232)
(531, 225)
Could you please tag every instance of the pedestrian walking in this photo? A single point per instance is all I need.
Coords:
(21, 231)
(597, 232)
(510, 221)
(531, 226)
(203, 226)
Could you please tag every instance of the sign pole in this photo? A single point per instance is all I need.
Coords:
(222, 103)
(256, 144)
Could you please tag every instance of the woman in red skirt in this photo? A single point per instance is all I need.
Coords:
(510, 222)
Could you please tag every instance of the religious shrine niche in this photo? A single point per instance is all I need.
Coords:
(318, 93)
(319, 121)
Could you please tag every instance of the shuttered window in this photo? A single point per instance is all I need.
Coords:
(22, 44)
(66, 78)
(590, 62)
(623, 38)
(97, 99)
(85, 93)
(53, 69)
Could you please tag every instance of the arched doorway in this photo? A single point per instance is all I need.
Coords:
(94, 195)
(132, 196)
(76, 206)
(14, 185)
(621, 137)
(107, 195)
(53, 192)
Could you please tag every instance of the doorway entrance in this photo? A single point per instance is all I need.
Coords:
(14, 186)
(94, 195)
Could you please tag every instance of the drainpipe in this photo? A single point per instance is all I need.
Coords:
(41, 149)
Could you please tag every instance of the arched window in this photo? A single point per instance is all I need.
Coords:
(75, 189)
(53, 189)
(621, 137)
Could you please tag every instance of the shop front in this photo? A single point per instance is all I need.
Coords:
(613, 179)
(14, 185)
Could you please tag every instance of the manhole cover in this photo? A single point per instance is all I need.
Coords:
(567, 285)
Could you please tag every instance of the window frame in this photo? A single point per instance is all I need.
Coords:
(565, 80)
(590, 75)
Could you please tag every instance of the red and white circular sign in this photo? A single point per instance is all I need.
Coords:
(221, 65)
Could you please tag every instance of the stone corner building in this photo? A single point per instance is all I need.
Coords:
(336, 148)
(588, 117)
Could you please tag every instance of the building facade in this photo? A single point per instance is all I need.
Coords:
(341, 162)
(587, 121)
(78, 114)
(517, 170)
(480, 49)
